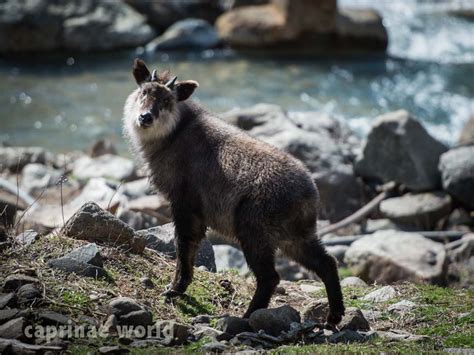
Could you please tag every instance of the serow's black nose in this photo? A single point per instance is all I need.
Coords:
(145, 119)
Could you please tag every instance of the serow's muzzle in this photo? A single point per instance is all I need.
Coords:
(145, 119)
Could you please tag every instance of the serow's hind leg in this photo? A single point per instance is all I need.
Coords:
(261, 260)
(313, 256)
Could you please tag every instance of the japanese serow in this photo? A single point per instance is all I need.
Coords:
(216, 176)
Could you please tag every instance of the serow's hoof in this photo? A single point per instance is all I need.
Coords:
(171, 294)
(333, 319)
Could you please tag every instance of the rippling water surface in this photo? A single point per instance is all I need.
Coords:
(66, 103)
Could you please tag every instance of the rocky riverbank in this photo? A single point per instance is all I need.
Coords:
(104, 25)
(86, 241)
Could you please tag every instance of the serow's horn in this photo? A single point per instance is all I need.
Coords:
(170, 84)
(153, 75)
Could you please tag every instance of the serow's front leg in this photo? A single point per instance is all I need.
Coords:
(189, 231)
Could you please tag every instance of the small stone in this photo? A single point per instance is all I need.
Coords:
(48, 317)
(350, 336)
(147, 282)
(202, 318)
(316, 311)
(280, 290)
(383, 294)
(140, 317)
(215, 347)
(402, 306)
(27, 237)
(110, 325)
(123, 305)
(354, 320)
(8, 314)
(28, 293)
(15, 281)
(353, 281)
(371, 315)
(173, 332)
(401, 335)
(233, 325)
(274, 320)
(201, 331)
(13, 329)
(307, 288)
(7, 300)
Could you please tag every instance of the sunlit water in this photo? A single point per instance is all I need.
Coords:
(67, 103)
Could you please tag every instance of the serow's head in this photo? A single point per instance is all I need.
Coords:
(157, 96)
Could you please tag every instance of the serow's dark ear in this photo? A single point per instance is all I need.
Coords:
(185, 89)
(140, 71)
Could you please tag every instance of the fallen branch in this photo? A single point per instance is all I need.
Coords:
(362, 212)
(437, 236)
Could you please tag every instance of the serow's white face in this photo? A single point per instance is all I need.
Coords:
(150, 111)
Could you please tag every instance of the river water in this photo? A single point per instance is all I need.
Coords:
(66, 102)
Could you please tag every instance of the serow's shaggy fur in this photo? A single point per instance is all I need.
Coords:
(219, 177)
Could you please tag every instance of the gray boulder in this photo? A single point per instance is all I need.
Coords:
(316, 311)
(38, 25)
(161, 239)
(13, 329)
(353, 281)
(457, 172)
(354, 320)
(163, 13)
(14, 281)
(274, 320)
(37, 177)
(390, 256)
(186, 34)
(108, 166)
(93, 224)
(382, 294)
(29, 293)
(16, 158)
(85, 261)
(27, 237)
(399, 149)
(420, 211)
(7, 300)
(228, 257)
(322, 143)
(128, 312)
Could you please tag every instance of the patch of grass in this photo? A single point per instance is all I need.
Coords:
(75, 298)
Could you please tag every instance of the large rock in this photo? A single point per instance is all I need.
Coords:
(361, 28)
(128, 312)
(37, 177)
(186, 34)
(13, 329)
(390, 256)
(85, 261)
(108, 166)
(233, 325)
(163, 13)
(277, 22)
(161, 239)
(310, 26)
(16, 158)
(420, 211)
(457, 172)
(39, 25)
(228, 258)
(98, 190)
(323, 144)
(399, 149)
(274, 320)
(354, 320)
(93, 224)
